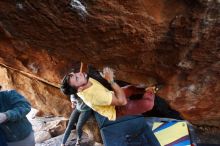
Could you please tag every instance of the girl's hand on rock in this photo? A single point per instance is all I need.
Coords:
(108, 74)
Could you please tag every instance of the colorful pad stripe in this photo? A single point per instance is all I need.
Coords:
(172, 133)
(156, 125)
(180, 142)
(183, 143)
(164, 126)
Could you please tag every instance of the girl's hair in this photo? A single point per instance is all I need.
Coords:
(65, 87)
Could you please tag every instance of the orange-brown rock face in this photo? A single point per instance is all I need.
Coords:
(145, 41)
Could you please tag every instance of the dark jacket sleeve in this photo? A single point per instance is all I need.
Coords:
(19, 106)
(2, 139)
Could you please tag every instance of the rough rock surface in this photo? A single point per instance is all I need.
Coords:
(49, 131)
(172, 42)
(44, 97)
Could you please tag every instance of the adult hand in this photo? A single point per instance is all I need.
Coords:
(3, 117)
(73, 105)
(108, 74)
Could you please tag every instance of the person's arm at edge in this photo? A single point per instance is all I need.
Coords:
(118, 98)
(21, 107)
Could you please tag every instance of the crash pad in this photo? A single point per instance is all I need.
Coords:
(172, 133)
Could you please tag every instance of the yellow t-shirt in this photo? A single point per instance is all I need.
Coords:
(99, 99)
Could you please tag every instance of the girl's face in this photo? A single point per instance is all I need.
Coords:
(77, 79)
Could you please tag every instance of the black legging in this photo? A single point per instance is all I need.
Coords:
(79, 118)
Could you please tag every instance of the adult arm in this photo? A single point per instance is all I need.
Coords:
(118, 97)
(20, 107)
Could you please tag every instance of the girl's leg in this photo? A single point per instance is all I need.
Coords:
(132, 90)
(73, 119)
(137, 107)
(140, 106)
(83, 117)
